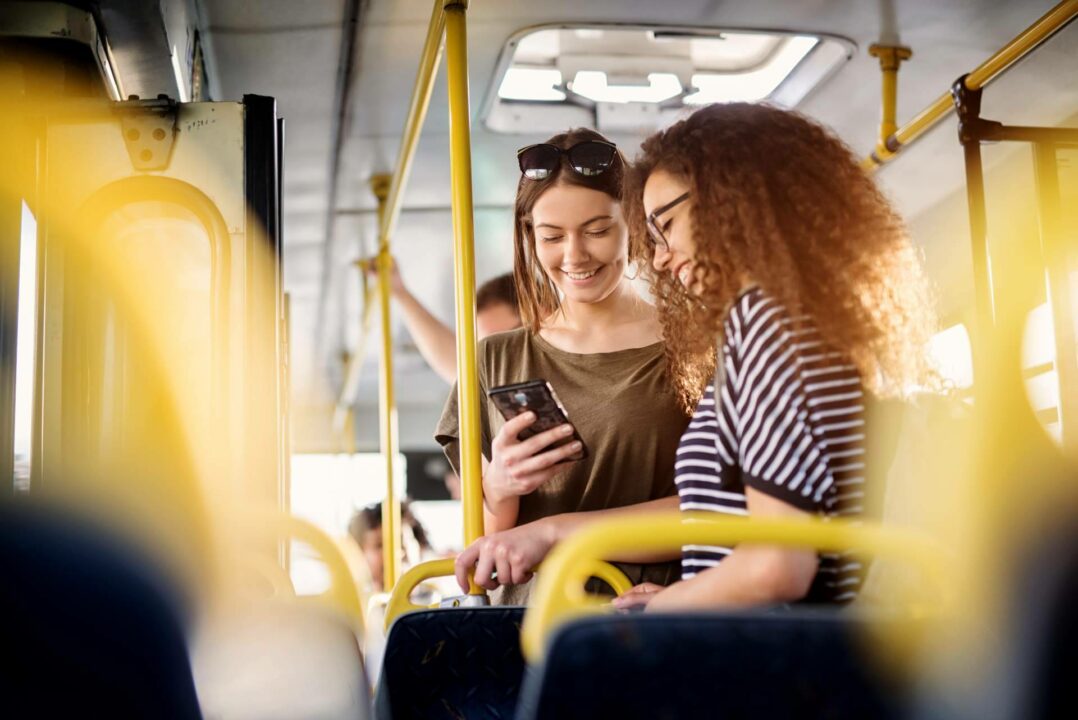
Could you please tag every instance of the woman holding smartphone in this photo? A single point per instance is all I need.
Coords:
(771, 248)
(590, 335)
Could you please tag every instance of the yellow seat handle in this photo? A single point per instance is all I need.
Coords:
(559, 595)
(400, 600)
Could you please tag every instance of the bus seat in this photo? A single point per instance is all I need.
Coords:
(452, 663)
(803, 663)
(86, 627)
(1032, 674)
(916, 449)
(279, 660)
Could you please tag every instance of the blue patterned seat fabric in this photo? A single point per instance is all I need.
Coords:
(452, 663)
(800, 663)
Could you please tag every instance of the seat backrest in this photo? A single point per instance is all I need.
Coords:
(1032, 675)
(912, 443)
(918, 452)
(452, 663)
(279, 660)
(86, 629)
(799, 664)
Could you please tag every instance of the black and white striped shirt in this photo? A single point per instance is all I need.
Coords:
(791, 425)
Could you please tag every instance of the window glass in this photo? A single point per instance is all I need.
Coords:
(327, 490)
(950, 355)
(1038, 365)
(26, 350)
(169, 248)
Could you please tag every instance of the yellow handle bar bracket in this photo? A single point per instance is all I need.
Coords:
(890, 57)
(1022, 44)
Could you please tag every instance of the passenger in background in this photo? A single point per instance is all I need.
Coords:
(771, 248)
(495, 311)
(365, 527)
(596, 341)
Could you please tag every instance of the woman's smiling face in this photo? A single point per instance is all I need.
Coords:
(676, 225)
(581, 241)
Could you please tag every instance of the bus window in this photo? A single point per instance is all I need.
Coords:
(99, 394)
(1065, 292)
(26, 350)
(1038, 366)
(950, 354)
(327, 490)
(951, 357)
(169, 243)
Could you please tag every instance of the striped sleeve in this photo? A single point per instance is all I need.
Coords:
(795, 404)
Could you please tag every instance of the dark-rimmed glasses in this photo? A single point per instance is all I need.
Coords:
(655, 233)
(588, 157)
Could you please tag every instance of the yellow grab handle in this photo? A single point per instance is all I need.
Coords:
(559, 595)
(400, 600)
(342, 591)
(611, 575)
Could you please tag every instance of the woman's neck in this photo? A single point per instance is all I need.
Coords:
(620, 321)
(621, 306)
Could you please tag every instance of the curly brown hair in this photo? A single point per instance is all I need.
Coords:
(781, 200)
(536, 292)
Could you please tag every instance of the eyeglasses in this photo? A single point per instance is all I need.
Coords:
(589, 157)
(655, 233)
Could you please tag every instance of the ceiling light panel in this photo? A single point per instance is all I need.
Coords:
(549, 73)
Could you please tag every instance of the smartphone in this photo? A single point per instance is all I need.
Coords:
(538, 397)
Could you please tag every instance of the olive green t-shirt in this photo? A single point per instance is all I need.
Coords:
(622, 406)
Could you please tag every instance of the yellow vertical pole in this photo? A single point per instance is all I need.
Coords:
(460, 163)
(890, 57)
(387, 404)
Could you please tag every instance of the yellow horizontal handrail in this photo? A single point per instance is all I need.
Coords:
(559, 594)
(400, 599)
(986, 72)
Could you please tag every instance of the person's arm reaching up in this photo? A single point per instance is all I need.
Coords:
(437, 343)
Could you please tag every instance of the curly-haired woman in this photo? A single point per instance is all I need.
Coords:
(774, 253)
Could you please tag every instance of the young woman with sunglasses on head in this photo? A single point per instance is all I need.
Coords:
(589, 334)
(774, 251)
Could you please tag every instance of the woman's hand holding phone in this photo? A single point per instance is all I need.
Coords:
(517, 467)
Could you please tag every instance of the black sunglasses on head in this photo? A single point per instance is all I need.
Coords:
(589, 157)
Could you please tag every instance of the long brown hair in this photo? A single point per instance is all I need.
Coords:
(779, 199)
(536, 292)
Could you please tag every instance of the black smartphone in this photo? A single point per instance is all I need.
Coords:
(538, 397)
